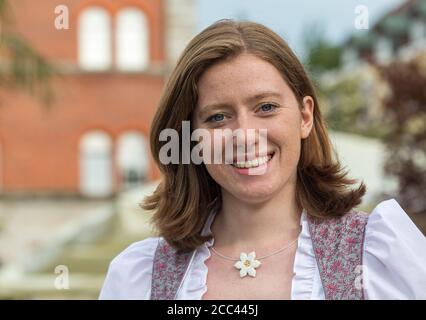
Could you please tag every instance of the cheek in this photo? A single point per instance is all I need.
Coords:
(217, 172)
(285, 130)
(286, 138)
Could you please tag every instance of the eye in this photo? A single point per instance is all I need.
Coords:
(216, 118)
(267, 107)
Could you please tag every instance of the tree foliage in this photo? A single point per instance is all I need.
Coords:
(321, 54)
(21, 67)
(405, 116)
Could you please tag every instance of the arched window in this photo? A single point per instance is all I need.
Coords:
(132, 40)
(94, 39)
(95, 164)
(132, 159)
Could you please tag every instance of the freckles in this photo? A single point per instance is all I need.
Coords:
(218, 171)
(278, 136)
(283, 130)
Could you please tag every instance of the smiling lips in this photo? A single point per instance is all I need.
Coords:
(256, 162)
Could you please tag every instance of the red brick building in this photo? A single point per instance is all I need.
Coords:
(113, 56)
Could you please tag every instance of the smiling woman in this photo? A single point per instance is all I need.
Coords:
(291, 232)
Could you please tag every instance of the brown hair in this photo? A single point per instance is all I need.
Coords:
(187, 193)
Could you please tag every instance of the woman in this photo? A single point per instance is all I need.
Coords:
(289, 233)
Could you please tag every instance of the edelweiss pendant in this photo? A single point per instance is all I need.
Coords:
(247, 264)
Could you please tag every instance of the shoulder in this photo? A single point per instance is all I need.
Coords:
(389, 214)
(389, 227)
(394, 255)
(352, 224)
(130, 272)
(137, 252)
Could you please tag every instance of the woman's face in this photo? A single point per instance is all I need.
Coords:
(246, 92)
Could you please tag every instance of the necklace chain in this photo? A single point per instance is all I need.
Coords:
(264, 257)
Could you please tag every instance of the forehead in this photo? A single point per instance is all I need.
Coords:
(239, 76)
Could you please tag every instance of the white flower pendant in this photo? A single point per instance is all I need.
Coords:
(247, 264)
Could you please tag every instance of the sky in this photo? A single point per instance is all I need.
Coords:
(291, 19)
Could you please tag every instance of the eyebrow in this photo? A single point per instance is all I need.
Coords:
(248, 100)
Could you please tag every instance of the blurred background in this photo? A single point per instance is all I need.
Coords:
(80, 81)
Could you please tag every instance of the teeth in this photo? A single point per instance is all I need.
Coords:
(253, 163)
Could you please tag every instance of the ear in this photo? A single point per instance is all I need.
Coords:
(307, 114)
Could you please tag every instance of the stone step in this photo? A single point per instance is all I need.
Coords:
(42, 286)
(90, 258)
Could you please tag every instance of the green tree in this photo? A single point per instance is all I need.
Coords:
(405, 116)
(321, 54)
(346, 101)
(21, 67)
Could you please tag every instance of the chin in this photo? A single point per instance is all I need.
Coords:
(254, 194)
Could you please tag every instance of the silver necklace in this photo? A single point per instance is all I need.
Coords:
(247, 263)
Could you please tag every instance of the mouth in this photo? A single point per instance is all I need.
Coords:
(254, 163)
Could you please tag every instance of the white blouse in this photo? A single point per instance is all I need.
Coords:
(394, 263)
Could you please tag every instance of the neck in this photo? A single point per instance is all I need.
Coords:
(260, 227)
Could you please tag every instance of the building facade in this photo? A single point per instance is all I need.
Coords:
(113, 58)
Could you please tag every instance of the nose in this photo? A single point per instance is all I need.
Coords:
(248, 136)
